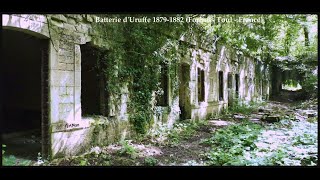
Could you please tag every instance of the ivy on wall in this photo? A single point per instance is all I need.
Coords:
(131, 53)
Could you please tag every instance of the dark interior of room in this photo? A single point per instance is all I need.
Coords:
(20, 85)
(90, 82)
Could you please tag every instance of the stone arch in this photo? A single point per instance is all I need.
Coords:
(37, 29)
(34, 25)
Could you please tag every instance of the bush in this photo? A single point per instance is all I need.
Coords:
(310, 85)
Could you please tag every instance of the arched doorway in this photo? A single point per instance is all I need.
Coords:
(24, 94)
(184, 92)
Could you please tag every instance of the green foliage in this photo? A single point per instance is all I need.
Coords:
(131, 55)
(242, 108)
(163, 135)
(310, 85)
(274, 144)
(305, 139)
(229, 143)
(127, 149)
(3, 151)
(150, 161)
(13, 161)
(181, 131)
(92, 159)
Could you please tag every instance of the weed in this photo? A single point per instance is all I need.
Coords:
(228, 144)
(13, 161)
(127, 149)
(3, 151)
(150, 161)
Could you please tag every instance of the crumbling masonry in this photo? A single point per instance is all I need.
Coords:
(209, 80)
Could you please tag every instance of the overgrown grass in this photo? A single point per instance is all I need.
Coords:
(150, 161)
(243, 108)
(172, 137)
(228, 144)
(11, 160)
(248, 144)
(127, 150)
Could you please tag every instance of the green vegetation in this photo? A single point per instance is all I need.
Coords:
(127, 150)
(150, 161)
(242, 108)
(3, 151)
(248, 144)
(132, 54)
(13, 161)
(180, 131)
(228, 144)
(310, 85)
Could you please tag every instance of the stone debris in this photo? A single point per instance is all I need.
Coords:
(239, 117)
(271, 119)
(220, 123)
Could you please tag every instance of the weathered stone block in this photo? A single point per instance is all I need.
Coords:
(35, 17)
(78, 78)
(70, 90)
(58, 17)
(70, 67)
(77, 95)
(62, 90)
(62, 78)
(23, 23)
(69, 27)
(77, 57)
(271, 119)
(66, 59)
(82, 28)
(66, 51)
(56, 23)
(65, 107)
(66, 112)
(66, 99)
(78, 112)
(54, 100)
(78, 17)
(65, 45)
(90, 18)
(62, 66)
(71, 21)
(69, 143)
(67, 36)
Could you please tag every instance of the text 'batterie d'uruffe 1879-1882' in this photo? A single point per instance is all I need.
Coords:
(176, 19)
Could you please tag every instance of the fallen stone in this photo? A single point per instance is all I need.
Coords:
(311, 115)
(271, 119)
(238, 117)
(219, 123)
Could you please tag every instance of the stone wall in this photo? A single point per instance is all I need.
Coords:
(71, 134)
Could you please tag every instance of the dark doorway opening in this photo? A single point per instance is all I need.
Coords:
(230, 92)
(200, 85)
(94, 92)
(24, 104)
(184, 92)
(237, 85)
(220, 86)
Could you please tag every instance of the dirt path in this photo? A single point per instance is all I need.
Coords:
(189, 151)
